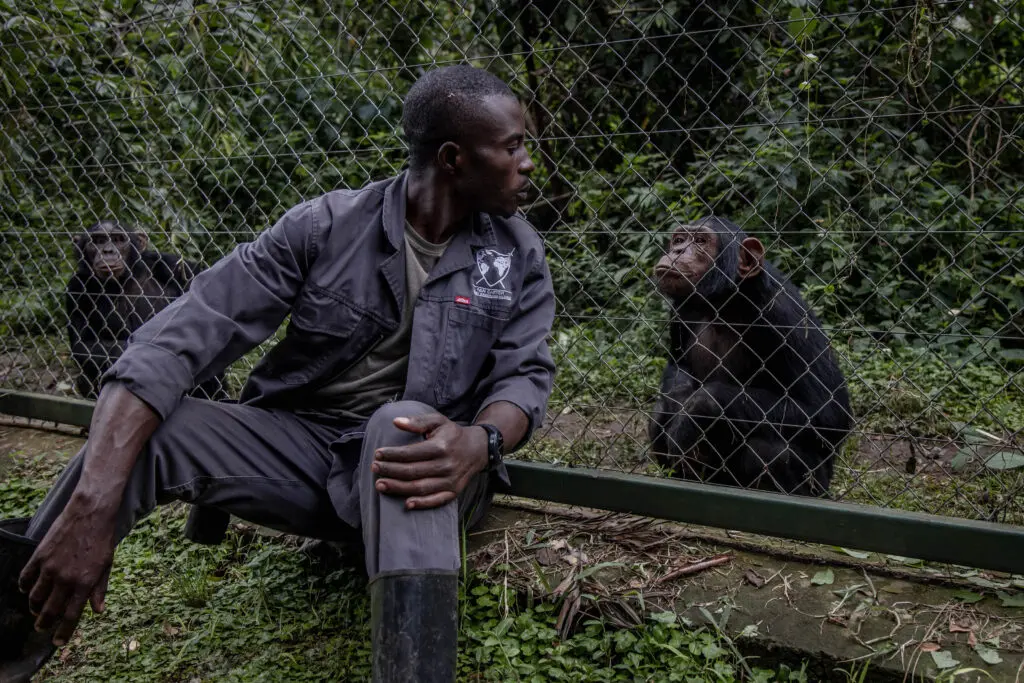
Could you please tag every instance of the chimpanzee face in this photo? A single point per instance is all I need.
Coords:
(493, 166)
(109, 250)
(690, 256)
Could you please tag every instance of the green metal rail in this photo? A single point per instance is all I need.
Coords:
(984, 545)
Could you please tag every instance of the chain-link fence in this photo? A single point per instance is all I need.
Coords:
(875, 149)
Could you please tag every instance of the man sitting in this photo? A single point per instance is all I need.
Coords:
(420, 309)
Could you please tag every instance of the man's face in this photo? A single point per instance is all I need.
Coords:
(496, 168)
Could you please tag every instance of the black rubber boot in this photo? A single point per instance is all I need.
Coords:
(414, 618)
(23, 651)
(206, 525)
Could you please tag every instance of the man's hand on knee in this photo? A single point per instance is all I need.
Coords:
(432, 472)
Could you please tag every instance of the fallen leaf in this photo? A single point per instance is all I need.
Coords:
(576, 558)
(957, 628)
(825, 578)
(754, 578)
(988, 655)
(171, 630)
(970, 597)
(749, 631)
(860, 555)
(972, 639)
(944, 660)
(1011, 600)
(930, 647)
(547, 557)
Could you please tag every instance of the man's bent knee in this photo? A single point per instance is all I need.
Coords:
(384, 417)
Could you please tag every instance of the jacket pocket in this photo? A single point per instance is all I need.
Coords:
(468, 338)
(324, 334)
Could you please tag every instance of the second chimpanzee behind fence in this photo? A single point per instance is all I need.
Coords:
(752, 395)
(118, 285)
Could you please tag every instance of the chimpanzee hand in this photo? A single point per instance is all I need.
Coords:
(70, 566)
(434, 471)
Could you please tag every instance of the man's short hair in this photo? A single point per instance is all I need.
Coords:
(441, 106)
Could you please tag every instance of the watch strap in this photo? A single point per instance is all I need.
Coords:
(495, 445)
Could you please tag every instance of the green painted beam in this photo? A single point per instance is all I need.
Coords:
(68, 411)
(983, 545)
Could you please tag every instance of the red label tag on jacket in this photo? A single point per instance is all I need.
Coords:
(463, 300)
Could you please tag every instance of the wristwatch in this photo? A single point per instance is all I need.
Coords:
(495, 446)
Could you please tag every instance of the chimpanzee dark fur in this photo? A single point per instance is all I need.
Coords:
(752, 394)
(119, 285)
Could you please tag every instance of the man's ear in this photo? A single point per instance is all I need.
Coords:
(751, 257)
(449, 157)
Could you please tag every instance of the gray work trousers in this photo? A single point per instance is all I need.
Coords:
(273, 468)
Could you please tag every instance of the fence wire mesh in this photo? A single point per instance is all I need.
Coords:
(874, 148)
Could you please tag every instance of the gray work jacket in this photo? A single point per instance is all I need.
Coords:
(336, 265)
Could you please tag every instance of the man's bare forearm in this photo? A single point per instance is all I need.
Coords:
(121, 425)
(510, 420)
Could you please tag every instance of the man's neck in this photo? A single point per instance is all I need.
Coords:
(431, 207)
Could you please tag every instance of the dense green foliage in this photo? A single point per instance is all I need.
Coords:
(876, 148)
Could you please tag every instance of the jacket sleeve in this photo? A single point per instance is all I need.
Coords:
(228, 310)
(522, 369)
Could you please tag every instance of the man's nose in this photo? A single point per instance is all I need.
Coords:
(527, 167)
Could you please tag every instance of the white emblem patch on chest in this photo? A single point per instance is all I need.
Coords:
(493, 267)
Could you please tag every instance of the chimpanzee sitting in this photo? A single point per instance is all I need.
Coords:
(119, 285)
(752, 395)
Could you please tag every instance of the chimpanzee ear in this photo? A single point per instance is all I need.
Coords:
(141, 240)
(751, 257)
